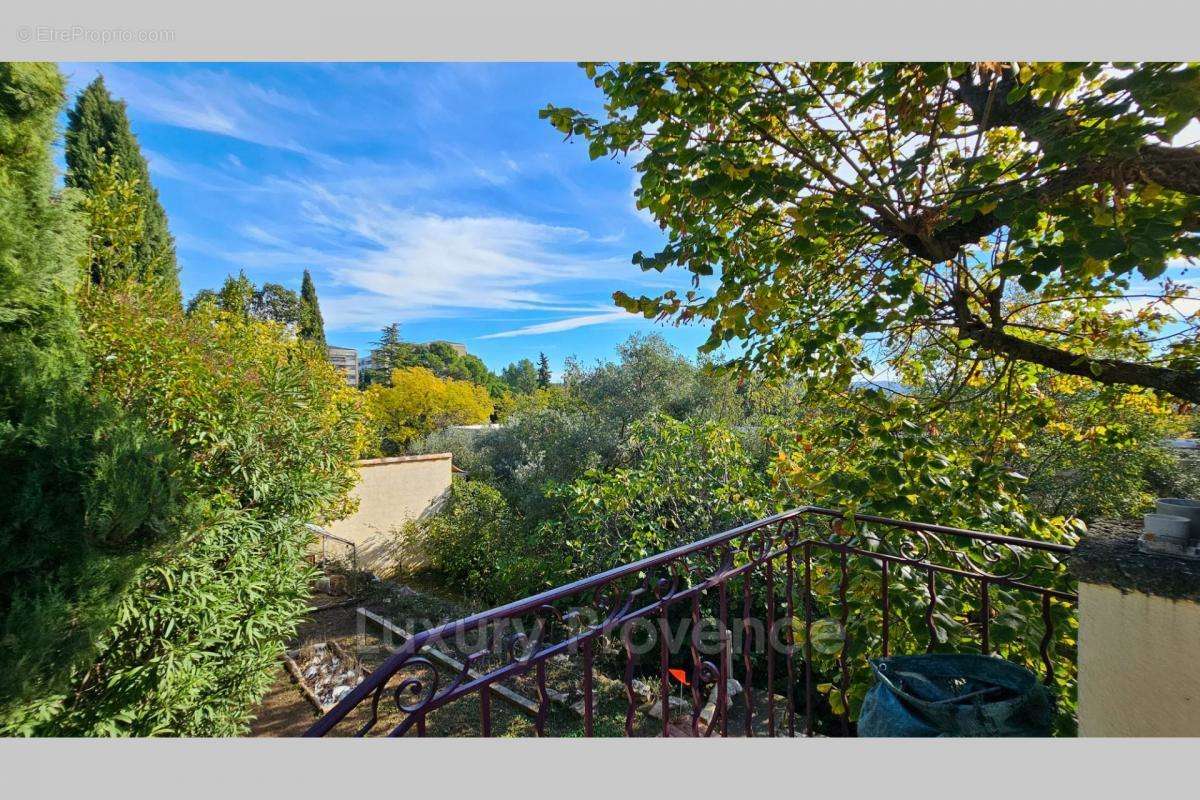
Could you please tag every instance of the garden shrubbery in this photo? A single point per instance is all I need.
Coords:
(255, 435)
(264, 420)
(684, 480)
(416, 402)
(479, 548)
(600, 479)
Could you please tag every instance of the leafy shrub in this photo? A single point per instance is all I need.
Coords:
(464, 445)
(262, 417)
(476, 544)
(554, 435)
(197, 639)
(650, 377)
(685, 480)
(115, 210)
(261, 434)
(541, 448)
(880, 457)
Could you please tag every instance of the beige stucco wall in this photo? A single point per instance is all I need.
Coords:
(1139, 664)
(390, 491)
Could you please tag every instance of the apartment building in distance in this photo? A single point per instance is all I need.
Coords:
(457, 347)
(345, 360)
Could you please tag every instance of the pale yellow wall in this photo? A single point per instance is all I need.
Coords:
(1139, 664)
(390, 491)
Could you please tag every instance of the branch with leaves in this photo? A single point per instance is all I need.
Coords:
(837, 217)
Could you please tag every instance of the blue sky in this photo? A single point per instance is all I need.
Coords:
(428, 194)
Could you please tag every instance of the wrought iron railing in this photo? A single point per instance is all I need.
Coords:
(827, 590)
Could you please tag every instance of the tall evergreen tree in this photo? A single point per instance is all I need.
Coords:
(99, 136)
(312, 324)
(543, 371)
(78, 485)
(389, 352)
(40, 248)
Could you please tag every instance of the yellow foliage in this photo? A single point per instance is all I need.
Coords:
(419, 402)
(264, 420)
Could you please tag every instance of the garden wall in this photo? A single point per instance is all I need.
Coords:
(390, 491)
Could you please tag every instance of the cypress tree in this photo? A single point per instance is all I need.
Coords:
(543, 371)
(312, 325)
(74, 478)
(41, 373)
(40, 248)
(98, 135)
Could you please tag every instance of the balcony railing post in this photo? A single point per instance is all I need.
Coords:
(843, 673)
(808, 670)
(664, 684)
(726, 657)
(586, 655)
(931, 587)
(985, 614)
(770, 648)
(697, 669)
(747, 646)
(885, 569)
(627, 641)
(791, 644)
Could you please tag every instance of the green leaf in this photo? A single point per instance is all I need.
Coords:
(1030, 281)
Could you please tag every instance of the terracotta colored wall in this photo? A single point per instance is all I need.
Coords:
(1139, 664)
(390, 491)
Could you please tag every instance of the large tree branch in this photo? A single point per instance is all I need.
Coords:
(924, 239)
(1184, 384)
(1175, 168)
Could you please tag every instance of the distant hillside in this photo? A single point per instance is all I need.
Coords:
(887, 386)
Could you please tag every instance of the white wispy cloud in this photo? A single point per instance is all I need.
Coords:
(257, 234)
(390, 262)
(213, 101)
(163, 167)
(417, 262)
(568, 324)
